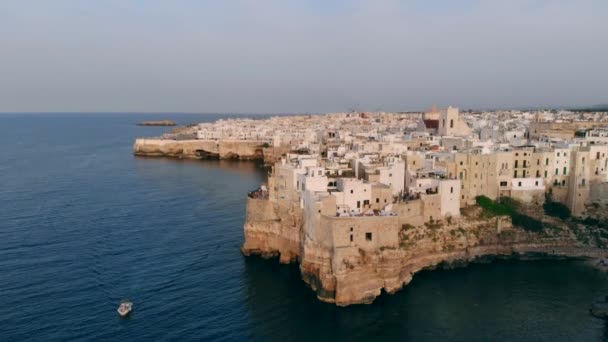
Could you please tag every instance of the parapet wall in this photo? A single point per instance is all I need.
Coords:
(199, 149)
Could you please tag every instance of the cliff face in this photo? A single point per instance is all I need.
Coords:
(354, 274)
(272, 230)
(199, 149)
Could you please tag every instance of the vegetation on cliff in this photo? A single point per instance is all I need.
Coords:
(506, 206)
(556, 209)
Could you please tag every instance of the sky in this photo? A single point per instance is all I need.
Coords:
(307, 56)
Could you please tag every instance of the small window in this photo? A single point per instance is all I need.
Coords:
(368, 236)
(536, 183)
(351, 191)
(351, 229)
(451, 190)
(351, 237)
(519, 184)
(460, 163)
(377, 200)
(503, 183)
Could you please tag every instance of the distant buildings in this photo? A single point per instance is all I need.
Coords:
(366, 164)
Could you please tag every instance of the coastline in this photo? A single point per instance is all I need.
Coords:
(358, 275)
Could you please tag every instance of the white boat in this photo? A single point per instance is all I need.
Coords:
(125, 308)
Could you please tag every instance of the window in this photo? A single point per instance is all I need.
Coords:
(351, 229)
(556, 171)
(451, 123)
(351, 237)
(451, 190)
(515, 174)
(519, 184)
(358, 204)
(565, 170)
(351, 191)
(546, 173)
(536, 183)
(547, 161)
(558, 154)
(516, 163)
(503, 183)
(368, 236)
(460, 163)
(377, 200)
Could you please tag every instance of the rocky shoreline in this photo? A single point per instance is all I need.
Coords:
(199, 149)
(355, 275)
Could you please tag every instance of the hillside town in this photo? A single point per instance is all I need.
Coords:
(361, 164)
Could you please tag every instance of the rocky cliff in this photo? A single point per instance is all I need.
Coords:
(199, 149)
(358, 274)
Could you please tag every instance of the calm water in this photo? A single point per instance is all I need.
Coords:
(84, 224)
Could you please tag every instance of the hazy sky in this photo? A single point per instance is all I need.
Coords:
(300, 56)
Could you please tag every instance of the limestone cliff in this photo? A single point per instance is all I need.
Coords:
(199, 149)
(345, 273)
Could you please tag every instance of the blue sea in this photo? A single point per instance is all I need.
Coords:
(85, 224)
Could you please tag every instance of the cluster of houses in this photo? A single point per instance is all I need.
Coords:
(427, 166)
